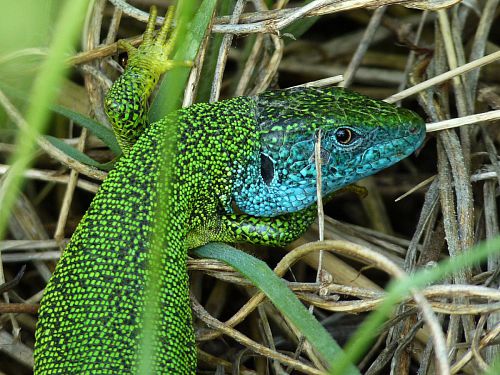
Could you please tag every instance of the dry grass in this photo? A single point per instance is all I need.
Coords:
(379, 52)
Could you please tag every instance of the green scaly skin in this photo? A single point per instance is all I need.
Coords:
(90, 315)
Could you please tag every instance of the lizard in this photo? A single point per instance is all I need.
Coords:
(241, 170)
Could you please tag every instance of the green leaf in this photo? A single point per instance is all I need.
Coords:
(278, 293)
(399, 289)
(100, 131)
(45, 86)
(495, 367)
(211, 55)
(166, 101)
(300, 26)
(169, 94)
(76, 154)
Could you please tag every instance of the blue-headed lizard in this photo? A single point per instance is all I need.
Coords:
(253, 153)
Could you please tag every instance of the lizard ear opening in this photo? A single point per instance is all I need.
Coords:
(266, 169)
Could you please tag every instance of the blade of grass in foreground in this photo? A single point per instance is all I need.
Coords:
(78, 155)
(168, 97)
(42, 96)
(167, 100)
(280, 295)
(398, 290)
(495, 367)
(100, 131)
(212, 53)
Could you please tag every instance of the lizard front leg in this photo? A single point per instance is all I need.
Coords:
(238, 228)
(126, 103)
(274, 231)
(270, 231)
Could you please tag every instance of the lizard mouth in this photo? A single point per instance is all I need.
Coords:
(401, 147)
(406, 144)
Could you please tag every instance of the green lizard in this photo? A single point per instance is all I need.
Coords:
(253, 153)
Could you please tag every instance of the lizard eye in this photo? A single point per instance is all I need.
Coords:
(344, 136)
(266, 169)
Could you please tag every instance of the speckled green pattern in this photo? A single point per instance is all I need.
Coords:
(133, 120)
(243, 152)
(90, 315)
(126, 101)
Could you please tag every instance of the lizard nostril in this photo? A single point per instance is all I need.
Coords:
(414, 129)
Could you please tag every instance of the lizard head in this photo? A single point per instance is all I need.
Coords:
(359, 137)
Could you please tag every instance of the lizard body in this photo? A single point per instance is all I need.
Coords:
(255, 153)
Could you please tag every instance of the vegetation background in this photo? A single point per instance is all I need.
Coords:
(254, 46)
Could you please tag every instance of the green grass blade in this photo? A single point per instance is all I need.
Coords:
(300, 26)
(205, 85)
(100, 131)
(76, 154)
(398, 290)
(166, 100)
(278, 293)
(495, 367)
(43, 94)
